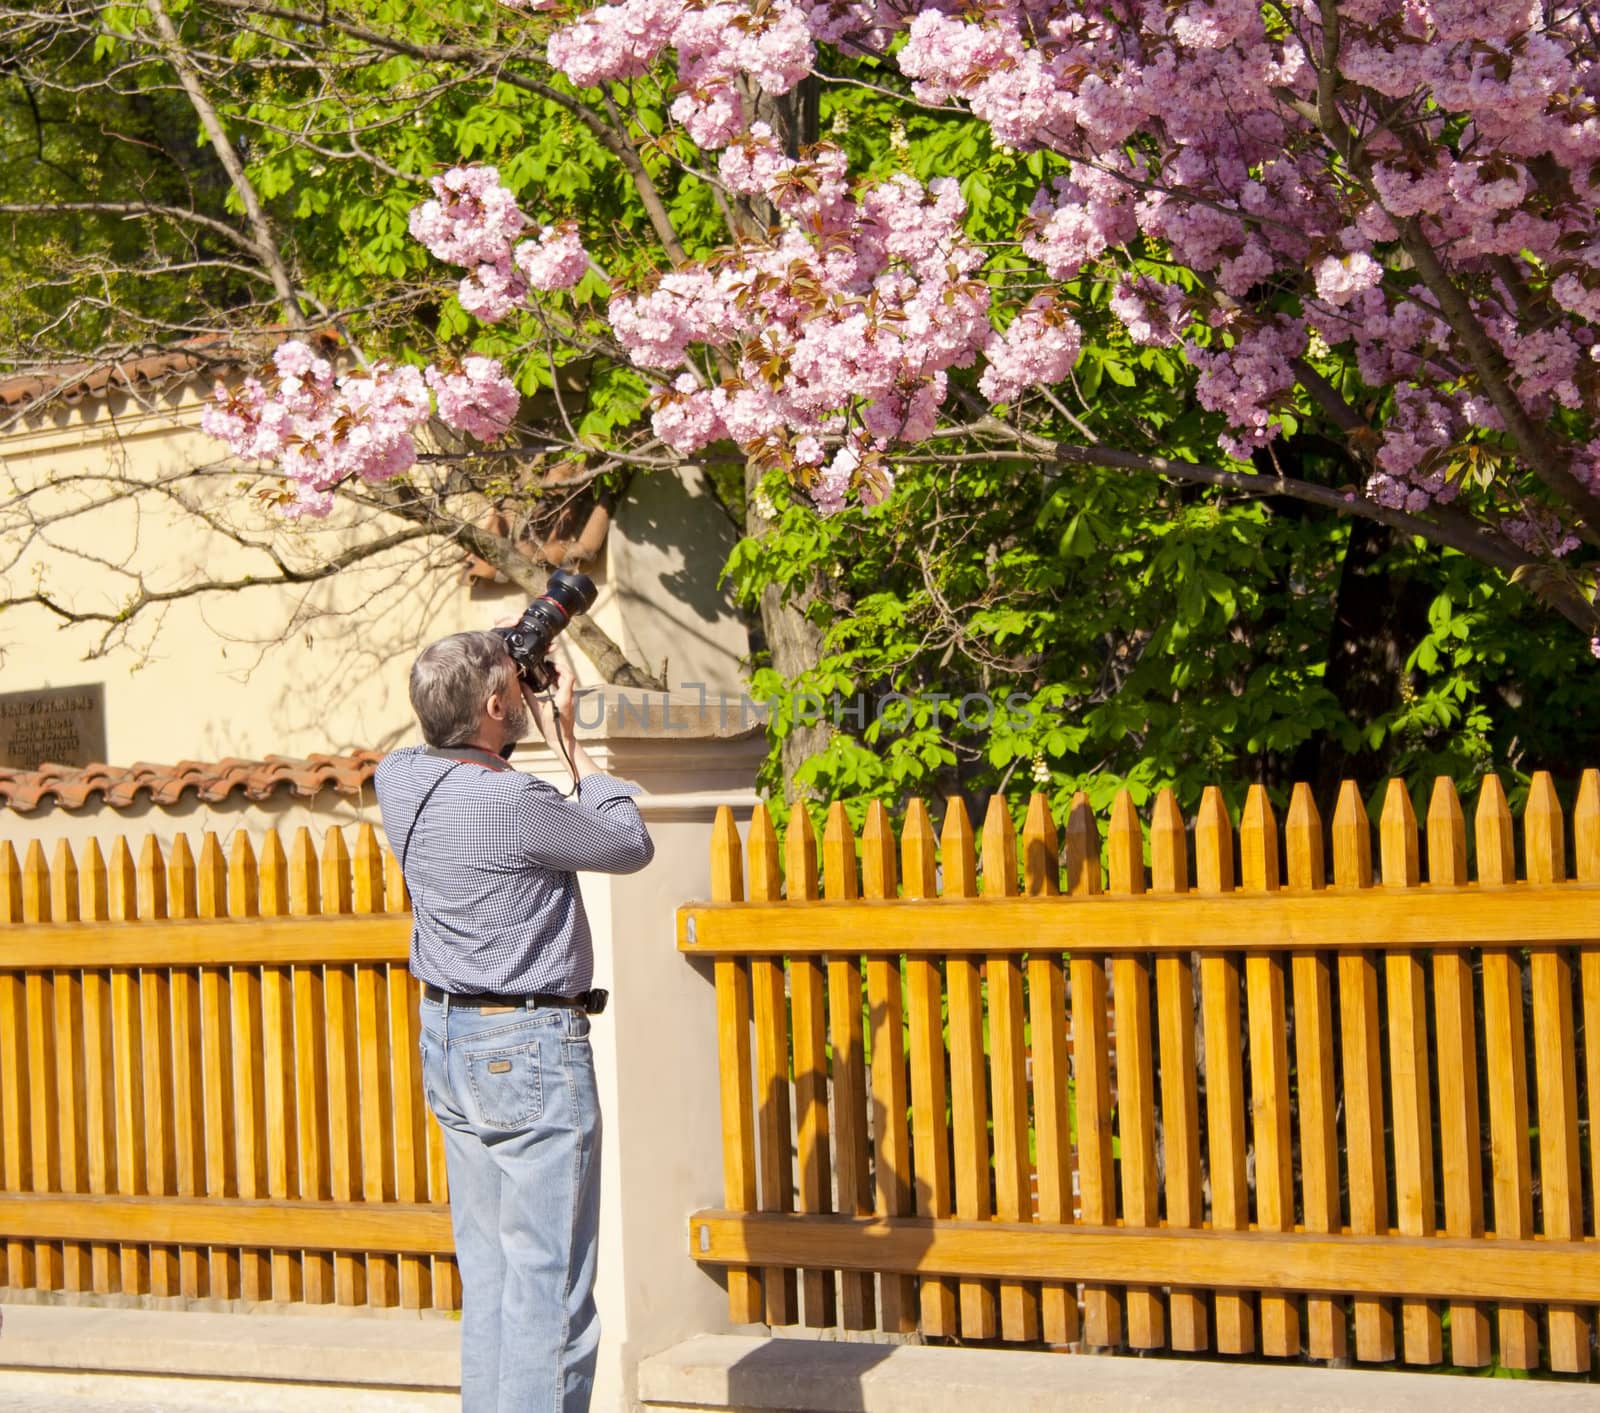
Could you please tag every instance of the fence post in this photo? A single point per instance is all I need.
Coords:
(812, 1135)
(770, 1009)
(1136, 1078)
(188, 1089)
(1506, 1053)
(840, 879)
(216, 1063)
(1047, 1018)
(1019, 1302)
(1363, 1071)
(358, 886)
(733, 1045)
(1269, 1068)
(1555, 1050)
(1225, 1100)
(969, 1097)
(1456, 1022)
(1180, 1093)
(43, 1116)
(897, 1295)
(1313, 1026)
(1408, 1072)
(67, 987)
(930, 1127)
(245, 1044)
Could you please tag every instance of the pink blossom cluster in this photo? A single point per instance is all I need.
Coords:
(1037, 349)
(321, 429)
(1232, 177)
(1539, 531)
(843, 326)
(1247, 381)
(474, 221)
(719, 46)
(554, 260)
(1152, 311)
(1413, 471)
(477, 398)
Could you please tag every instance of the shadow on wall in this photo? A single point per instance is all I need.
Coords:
(339, 678)
(672, 541)
(684, 526)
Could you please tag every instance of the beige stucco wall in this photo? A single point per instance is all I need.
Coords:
(315, 667)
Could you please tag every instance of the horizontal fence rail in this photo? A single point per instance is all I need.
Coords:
(1190, 1089)
(209, 1077)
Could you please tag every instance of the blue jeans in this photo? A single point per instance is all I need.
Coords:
(514, 1092)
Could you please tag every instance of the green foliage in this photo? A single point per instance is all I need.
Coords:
(1131, 632)
(1109, 631)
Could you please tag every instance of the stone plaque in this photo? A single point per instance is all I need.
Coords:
(60, 725)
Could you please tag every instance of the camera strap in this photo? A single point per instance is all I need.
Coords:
(478, 757)
(406, 847)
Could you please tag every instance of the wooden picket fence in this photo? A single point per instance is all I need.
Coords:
(209, 1078)
(1305, 1171)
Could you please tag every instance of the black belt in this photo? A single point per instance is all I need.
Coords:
(592, 1002)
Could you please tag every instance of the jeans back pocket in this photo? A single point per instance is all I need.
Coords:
(507, 1088)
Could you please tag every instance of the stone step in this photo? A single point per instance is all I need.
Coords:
(754, 1375)
(135, 1360)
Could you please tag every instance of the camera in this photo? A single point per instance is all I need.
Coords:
(564, 597)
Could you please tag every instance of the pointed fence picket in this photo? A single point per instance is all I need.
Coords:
(209, 1077)
(1352, 1104)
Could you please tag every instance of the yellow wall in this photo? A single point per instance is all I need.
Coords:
(318, 667)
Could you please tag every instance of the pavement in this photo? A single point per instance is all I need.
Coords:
(126, 1360)
(817, 1376)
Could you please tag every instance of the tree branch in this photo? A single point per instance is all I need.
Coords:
(137, 208)
(1563, 593)
(287, 574)
(607, 134)
(260, 227)
(499, 551)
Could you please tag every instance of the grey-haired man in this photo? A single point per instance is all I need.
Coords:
(501, 945)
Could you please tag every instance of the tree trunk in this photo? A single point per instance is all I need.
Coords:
(1376, 617)
(794, 643)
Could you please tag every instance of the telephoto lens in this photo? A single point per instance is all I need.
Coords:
(564, 598)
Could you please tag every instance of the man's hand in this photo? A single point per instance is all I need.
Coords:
(556, 710)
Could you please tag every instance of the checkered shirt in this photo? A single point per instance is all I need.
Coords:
(491, 868)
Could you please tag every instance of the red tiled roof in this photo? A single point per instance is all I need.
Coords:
(74, 787)
(72, 382)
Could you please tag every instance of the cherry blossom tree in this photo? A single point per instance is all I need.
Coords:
(1376, 219)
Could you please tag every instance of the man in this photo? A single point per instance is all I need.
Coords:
(501, 945)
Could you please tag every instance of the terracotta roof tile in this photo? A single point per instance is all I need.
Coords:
(212, 781)
(73, 382)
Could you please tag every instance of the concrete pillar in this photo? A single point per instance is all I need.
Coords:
(655, 1048)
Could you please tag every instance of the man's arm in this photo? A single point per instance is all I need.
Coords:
(555, 714)
(600, 830)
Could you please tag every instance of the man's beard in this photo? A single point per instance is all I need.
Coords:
(518, 719)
